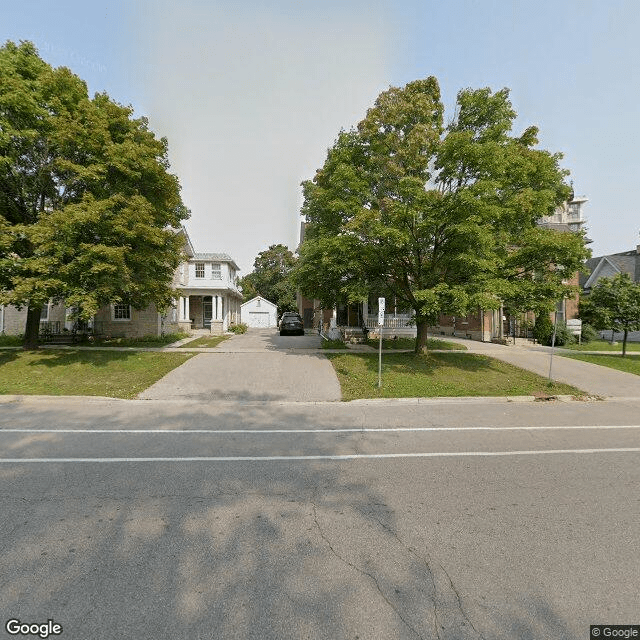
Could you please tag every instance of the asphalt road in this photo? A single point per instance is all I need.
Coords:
(448, 520)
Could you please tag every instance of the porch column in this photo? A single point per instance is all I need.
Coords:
(365, 312)
(183, 306)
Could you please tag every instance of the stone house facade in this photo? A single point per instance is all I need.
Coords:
(209, 299)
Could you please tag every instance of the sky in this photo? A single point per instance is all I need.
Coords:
(252, 94)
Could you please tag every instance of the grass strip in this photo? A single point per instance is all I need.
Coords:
(602, 345)
(405, 375)
(146, 341)
(410, 343)
(628, 364)
(205, 341)
(114, 374)
(334, 344)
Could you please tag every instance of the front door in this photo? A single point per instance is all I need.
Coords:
(207, 311)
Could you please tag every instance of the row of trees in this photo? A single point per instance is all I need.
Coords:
(88, 207)
(442, 218)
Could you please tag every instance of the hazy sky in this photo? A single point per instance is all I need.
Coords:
(251, 94)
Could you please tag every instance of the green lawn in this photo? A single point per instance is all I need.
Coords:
(206, 341)
(147, 341)
(334, 344)
(602, 345)
(115, 374)
(410, 343)
(630, 363)
(405, 375)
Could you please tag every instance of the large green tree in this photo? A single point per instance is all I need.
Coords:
(271, 278)
(443, 218)
(88, 208)
(614, 303)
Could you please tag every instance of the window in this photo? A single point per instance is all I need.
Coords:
(44, 313)
(199, 269)
(216, 271)
(121, 312)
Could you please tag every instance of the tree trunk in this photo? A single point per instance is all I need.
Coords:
(421, 336)
(624, 342)
(32, 329)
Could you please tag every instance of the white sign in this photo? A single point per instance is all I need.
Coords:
(380, 312)
(575, 326)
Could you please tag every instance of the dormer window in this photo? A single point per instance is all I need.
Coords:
(199, 269)
(216, 271)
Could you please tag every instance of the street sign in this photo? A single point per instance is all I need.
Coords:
(380, 312)
(380, 325)
(575, 326)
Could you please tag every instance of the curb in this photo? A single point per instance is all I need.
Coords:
(34, 399)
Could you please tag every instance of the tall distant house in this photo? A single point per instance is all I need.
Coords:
(568, 217)
(209, 298)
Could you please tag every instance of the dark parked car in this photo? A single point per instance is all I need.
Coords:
(291, 323)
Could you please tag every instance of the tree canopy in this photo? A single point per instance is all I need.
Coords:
(614, 303)
(271, 278)
(443, 218)
(88, 208)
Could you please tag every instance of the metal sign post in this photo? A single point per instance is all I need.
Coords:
(553, 346)
(380, 326)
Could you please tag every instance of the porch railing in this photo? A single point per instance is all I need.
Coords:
(390, 321)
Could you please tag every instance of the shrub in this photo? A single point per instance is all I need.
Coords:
(543, 329)
(588, 333)
(241, 327)
(563, 335)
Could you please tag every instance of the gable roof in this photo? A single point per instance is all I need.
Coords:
(259, 298)
(188, 247)
(626, 262)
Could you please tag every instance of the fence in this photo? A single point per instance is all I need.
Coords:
(390, 322)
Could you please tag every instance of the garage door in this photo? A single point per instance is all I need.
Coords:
(259, 319)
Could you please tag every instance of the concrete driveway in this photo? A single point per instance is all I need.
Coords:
(259, 365)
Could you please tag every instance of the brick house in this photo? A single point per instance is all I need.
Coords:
(484, 325)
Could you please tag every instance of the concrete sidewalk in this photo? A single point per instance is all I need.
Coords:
(592, 378)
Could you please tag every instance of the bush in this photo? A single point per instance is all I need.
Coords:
(543, 332)
(563, 335)
(543, 329)
(241, 327)
(589, 334)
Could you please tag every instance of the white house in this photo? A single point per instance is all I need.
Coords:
(210, 298)
(259, 313)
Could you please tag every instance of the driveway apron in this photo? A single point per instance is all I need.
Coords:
(259, 365)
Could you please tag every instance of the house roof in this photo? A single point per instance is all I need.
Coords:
(188, 247)
(259, 298)
(216, 257)
(626, 262)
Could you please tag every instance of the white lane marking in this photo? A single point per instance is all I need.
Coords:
(439, 454)
(338, 430)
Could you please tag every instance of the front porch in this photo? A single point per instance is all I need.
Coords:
(214, 312)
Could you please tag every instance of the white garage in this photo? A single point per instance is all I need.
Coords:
(259, 313)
